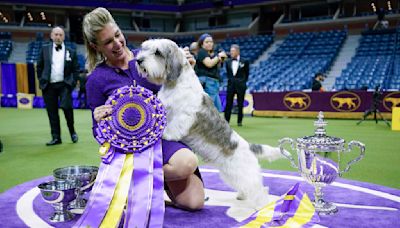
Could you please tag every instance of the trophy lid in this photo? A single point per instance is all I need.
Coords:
(320, 141)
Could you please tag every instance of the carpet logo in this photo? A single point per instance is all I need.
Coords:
(391, 100)
(345, 101)
(297, 101)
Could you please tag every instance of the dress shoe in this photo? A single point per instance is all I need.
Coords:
(240, 124)
(54, 142)
(74, 138)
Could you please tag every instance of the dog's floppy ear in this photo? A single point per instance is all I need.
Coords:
(174, 62)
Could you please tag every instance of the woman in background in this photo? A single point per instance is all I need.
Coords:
(207, 67)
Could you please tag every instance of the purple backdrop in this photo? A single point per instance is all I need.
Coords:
(342, 101)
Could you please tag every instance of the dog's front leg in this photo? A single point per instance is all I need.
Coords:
(171, 132)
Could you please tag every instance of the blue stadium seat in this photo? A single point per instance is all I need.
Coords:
(293, 65)
(376, 62)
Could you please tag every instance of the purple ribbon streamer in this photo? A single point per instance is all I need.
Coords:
(108, 157)
(140, 192)
(284, 209)
(158, 205)
(102, 192)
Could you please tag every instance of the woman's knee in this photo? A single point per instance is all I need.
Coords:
(188, 194)
(193, 203)
(182, 164)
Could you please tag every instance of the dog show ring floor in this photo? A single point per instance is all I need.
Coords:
(360, 204)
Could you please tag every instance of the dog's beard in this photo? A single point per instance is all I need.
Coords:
(153, 71)
(157, 81)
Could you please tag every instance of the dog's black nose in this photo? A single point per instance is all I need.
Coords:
(139, 61)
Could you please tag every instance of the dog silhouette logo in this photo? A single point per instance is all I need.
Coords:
(391, 100)
(297, 101)
(345, 101)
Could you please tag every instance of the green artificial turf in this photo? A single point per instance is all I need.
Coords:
(25, 156)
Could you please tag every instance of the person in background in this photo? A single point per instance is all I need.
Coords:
(194, 48)
(112, 65)
(82, 89)
(317, 82)
(237, 71)
(57, 71)
(381, 23)
(207, 67)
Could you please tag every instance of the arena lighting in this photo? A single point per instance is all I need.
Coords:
(373, 7)
(389, 5)
(30, 16)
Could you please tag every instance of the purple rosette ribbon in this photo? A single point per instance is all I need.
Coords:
(134, 127)
(136, 123)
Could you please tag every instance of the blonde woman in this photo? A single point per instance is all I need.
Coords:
(112, 65)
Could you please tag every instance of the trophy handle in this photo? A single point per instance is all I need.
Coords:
(90, 184)
(350, 147)
(287, 155)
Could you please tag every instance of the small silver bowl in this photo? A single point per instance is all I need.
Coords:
(59, 194)
(86, 175)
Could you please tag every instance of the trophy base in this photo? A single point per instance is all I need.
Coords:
(325, 208)
(77, 206)
(61, 216)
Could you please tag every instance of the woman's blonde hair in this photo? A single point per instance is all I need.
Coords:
(94, 22)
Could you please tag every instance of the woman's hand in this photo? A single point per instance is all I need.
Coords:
(189, 56)
(101, 112)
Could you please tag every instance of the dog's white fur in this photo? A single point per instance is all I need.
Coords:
(193, 119)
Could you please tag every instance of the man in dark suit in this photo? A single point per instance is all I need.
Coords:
(237, 70)
(57, 71)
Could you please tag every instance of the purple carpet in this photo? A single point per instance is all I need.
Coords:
(360, 204)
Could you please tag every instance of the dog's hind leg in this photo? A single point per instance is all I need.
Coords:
(244, 176)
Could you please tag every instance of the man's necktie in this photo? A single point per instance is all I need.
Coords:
(58, 47)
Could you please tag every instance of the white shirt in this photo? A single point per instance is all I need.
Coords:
(57, 64)
(235, 65)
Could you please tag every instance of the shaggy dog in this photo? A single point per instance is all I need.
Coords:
(193, 119)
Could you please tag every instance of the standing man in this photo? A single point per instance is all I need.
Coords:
(57, 71)
(317, 82)
(237, 70)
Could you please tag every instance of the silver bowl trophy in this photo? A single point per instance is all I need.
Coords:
(320, 159)
(59, 194)
(86, 175)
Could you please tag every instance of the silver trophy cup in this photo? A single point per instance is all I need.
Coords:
(59, 194)
(321, 159)
(86, 175)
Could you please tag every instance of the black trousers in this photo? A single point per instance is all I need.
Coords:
(232, 90)
(54, 94)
